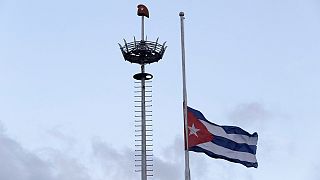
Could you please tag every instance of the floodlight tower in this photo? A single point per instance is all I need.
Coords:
(143, 52)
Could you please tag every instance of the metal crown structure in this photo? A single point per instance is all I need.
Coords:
(143, 52)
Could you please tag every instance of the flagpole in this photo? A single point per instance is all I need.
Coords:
(185, 111)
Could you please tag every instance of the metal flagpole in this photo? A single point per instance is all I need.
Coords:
(142, 28)
(185, 111)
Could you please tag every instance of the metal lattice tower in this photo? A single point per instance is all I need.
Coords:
(143, 52)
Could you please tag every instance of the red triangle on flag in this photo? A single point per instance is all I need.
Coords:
(197, 132)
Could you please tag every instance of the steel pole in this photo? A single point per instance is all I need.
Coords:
(142, 28)
(143, 128)
(143, 116)
(185, 111)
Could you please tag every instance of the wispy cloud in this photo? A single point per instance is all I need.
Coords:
(115, 164)
(18, 163)
(119, 165)
(109, 163)
(249, 113)
(59, 135)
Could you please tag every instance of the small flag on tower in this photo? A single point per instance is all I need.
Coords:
(143, 10)
(223, 142)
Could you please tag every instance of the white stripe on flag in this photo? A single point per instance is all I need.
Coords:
(238, 138)
(219, 150)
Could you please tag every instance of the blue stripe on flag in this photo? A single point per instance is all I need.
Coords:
(213, 155)
(238, 138)
(227, 129)
(242, 147)
(197, 113)
(237, 130)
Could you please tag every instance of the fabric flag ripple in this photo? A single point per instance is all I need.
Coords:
(223, 142)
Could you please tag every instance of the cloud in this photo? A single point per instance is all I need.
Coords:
(170, 163)
(165, 169)
(56, 133)
(108, 163)
(249, 112)
(18, 163)
(120, 165)
(115, 165)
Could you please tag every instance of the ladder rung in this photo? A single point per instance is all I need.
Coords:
(145, 106)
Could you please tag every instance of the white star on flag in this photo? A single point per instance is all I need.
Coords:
(193, 130)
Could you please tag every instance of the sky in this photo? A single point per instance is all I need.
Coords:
(67, 95)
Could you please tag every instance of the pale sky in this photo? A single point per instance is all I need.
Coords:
(66, 96)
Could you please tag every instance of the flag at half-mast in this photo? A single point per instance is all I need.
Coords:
(223, 142)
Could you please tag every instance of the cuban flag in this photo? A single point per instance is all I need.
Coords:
(223, 142)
